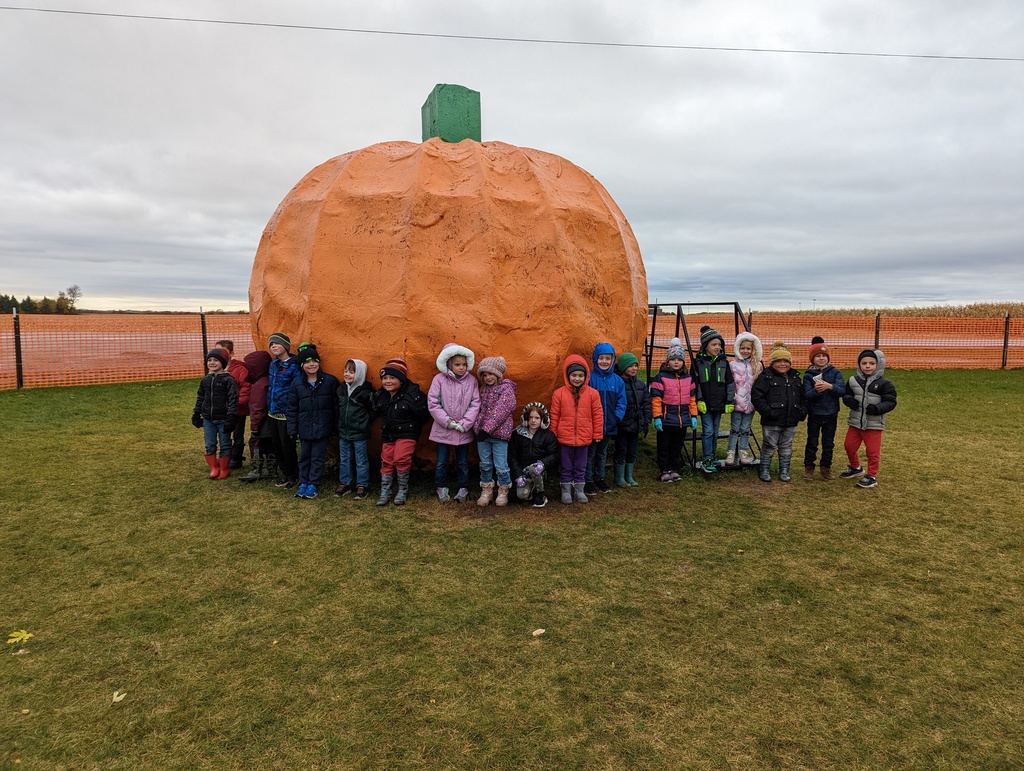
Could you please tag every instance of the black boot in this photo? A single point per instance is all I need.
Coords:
(255, 469)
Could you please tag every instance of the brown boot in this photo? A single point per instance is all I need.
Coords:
(826, 474)
(808, 473)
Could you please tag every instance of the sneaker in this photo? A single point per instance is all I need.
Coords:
(442, 495)
(461, 495)
(310, 491)
(602, 485)
(283, 483)
(360, 493)
(589, 488)
(342, 491)
(868, 481)
(852, 473)
(674, 476)
(539, 501)
(709, 466)
(301, 492)
(667, 477)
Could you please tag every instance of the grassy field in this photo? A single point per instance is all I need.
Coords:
(715, 623)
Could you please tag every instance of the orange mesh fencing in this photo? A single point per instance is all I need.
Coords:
(909, 342)
(61, 350)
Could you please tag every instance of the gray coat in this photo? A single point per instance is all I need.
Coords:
(875, 391)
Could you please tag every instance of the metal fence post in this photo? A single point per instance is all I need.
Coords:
(878, 327)
(1006, 337)
(202, 326)
(19, 365)
(650, 346)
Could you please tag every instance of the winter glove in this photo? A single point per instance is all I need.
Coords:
(452, 425)
(482, 436)
(729, 408)
(693, 424)
(853, 404)
(229, 425)
(521, 482)
(872, 409)
(537, 469)
(657, 424)
(197, 420)
(702, 408)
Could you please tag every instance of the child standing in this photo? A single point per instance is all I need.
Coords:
(778, 397)
(355, 395)
(281, 374)
(824, 386)
(869, 396)
(674, 407)
(531, 451)
(635, 420)
(238, 371)
(577, 420)
(746, 366)
(216, 403)
(263, 465)
(612, 391)
(403, 410)
(454, 404)
(713, 377)
(494, 428)
(312, 417)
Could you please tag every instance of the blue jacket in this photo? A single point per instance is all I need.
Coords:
(281, 376)
(611, 388)
(824, 402)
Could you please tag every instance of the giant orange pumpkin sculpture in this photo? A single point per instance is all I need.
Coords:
(399, 248)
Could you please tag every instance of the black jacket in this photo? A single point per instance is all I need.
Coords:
(313, 407)
(524, 450)
(713, 378)
(403, 413)
(779, 399)
(638, 406)
(217, 397)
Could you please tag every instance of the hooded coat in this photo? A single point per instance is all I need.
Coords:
(354, 406)
(238, 371)
(876, 390)
(673, 396)
(611, 388)
(257, 365)
(525, 450)
(577, 421)
(745, 371)
(497, 403)
(713, 378)
(453, 398)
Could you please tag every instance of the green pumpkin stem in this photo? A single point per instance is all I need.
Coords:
(452, 113)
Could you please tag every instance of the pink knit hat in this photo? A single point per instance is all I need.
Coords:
(493, 364)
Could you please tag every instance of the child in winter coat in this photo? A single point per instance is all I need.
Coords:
(824, 386)
(635, 420)
(612, 390)
(216, 403)
(778, 397)
(577, 420)
(403, 410)
(746, 366)
(532, 450)
(494, 428)
(869, 396)
(713, 377)
(312, 416)
(454, 404)
(355, 394)
(283, 371)
(261, 448)
(238, 371)
(674, 407)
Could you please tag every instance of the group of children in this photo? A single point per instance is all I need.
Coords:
(290, 399)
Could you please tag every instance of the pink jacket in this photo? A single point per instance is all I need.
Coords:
(497, 403)
(745, 372)
(452, 398)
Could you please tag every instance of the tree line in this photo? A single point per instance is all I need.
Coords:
(66, 302)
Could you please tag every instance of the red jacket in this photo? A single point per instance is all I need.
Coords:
(238, 371)
(577, 423)
(257, 363)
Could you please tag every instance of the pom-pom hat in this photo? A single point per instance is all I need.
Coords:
(818, 346)
(780, 352)
(676, 350)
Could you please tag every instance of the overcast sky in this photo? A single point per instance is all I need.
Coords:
(141, 159)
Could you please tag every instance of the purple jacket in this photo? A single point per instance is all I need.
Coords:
(497, 403)
(452, 398)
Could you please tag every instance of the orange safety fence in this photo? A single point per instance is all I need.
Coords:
(60, 350)
(909, 342)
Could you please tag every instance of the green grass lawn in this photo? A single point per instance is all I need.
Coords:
(714, 623)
